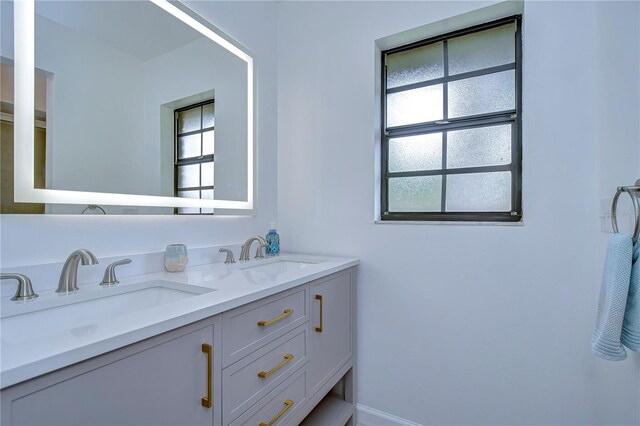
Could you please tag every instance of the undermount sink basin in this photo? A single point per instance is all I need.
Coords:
(263, 271)
(81, 311)
(279, 266)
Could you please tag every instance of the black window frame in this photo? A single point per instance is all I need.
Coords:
(513, 117)
(210, 158)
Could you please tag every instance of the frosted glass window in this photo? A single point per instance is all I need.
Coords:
(189, 120)
(488, 192)
(208, 118)
(451, 144)
(189, 194)
(484, 49)
(415, 65)
(422, 152)
(482, 146)
(414, 106)
(483, 94)
(415, 194)
(189, 176)
(208, 142)
(188, 210)
(207, 195)
(189, 146)
(207, 174)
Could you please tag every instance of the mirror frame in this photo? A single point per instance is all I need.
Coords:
(24, 60)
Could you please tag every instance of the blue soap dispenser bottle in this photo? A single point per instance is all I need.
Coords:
(273, 241)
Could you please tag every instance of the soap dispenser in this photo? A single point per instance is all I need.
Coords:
(273, 241)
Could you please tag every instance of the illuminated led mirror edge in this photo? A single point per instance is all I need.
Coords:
(24, 190)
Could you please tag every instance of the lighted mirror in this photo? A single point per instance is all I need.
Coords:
(140, 107)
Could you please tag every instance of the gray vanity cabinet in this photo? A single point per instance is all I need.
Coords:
(161, 380)
(285, 359)
(331, 339)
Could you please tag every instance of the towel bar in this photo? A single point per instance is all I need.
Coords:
(634, 192)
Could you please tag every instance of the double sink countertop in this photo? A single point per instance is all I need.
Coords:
(57, 330)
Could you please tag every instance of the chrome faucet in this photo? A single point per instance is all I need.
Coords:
(110, 273)
(69, 275)
(229, 260)
(24, 290)
(244, 253)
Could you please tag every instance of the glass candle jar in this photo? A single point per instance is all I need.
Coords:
(175, 257)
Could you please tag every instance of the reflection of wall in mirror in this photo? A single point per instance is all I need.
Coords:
(105, 101)
(203, 68)
(95, 113)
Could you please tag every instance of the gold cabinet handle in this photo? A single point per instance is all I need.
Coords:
(265, 374)
(319, 298)
(287, 404)
(206, 400)
(285, 314)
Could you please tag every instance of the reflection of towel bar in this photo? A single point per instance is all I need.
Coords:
(634, 193)
(93, 207)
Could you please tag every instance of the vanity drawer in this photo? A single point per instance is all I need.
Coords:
(252, 326)
(280, 406)
(251, 378)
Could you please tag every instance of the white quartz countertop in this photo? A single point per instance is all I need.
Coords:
(29, 356)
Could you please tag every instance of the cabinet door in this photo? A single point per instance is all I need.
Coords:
(161, 385)
(331, 336)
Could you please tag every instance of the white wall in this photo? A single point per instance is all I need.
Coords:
(618, 163)
(36, 239)
(82, 121)
(457, 324)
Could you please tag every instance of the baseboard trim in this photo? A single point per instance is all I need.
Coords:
(368, 416)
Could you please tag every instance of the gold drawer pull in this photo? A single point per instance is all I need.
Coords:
(265, 374)
(206, 400)
(287, 404)
(285, 314)
(319, 298)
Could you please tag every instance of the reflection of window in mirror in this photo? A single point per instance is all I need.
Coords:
(7, 205)
(194, 151)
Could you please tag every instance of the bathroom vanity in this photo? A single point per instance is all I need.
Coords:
(264, 342)
(258, 342)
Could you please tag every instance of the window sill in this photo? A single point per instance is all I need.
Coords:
(435, 222)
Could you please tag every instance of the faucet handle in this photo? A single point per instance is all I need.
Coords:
(229, 258)
(259, 254)
(110, 272)
(24, 290)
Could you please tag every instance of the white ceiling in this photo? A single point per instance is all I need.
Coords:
(139, 28)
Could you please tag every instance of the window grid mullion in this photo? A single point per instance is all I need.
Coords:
(516, 146)
(196, 160)
(456, 171)
(201, 151)
(443, 195)
(195, 132)
(479, 120)
(514, 172)
(456, 77)
(445, 116)
(384, 191)
(196, 188)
